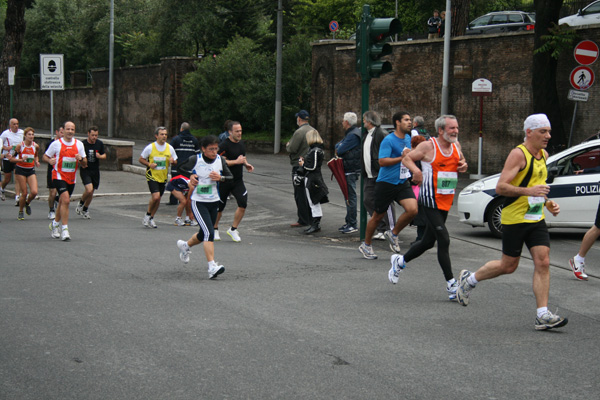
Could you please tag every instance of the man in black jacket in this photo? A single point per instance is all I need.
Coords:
(370, 160)
(185, 145)
(349, 150)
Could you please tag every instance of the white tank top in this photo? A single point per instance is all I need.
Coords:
(207, 190)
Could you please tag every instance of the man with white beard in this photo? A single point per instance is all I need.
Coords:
(441, 160)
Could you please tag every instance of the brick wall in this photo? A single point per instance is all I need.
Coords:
(415, 85)
(145, 97)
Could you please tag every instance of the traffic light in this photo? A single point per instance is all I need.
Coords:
(371, 36)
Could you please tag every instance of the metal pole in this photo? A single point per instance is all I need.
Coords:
(480, 135)
(446, 71)
(277, 139)
(365, 79)
(52, 114)
(572, 124)
(11, 102)
(111, 56)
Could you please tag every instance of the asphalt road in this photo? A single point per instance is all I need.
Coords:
(114, 314)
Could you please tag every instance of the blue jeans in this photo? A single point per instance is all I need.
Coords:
(351, 179)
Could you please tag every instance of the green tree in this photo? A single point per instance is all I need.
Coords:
(14, 32)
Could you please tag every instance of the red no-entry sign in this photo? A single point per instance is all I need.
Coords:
(586, 52)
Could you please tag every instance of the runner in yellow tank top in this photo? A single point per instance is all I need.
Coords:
(157, 157)
(526, 224)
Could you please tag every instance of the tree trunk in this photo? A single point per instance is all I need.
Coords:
(460, 17)
(14, 26)
(543, 80)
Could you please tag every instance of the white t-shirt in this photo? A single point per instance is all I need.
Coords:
(148, 149)
(9, 138)
(367, 152)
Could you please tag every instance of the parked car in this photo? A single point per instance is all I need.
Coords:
(573, 176)
(502, 22)
(586, 16)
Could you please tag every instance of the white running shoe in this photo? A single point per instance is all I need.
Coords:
(191, 222)
(578, 269)
(2, 195)
(152, 224)
(393, 240)
(79, 209)
(464, 288)
(451, 290)
(215, 270)
(86, 215)
(179, 221)
(55, 231)
(65, 235)
(235, 236)
(367, 251)
(146, 221)
(217, 236)
(17, 201)
(379, 236)
(184, 251)
(398, 265)
(51, 214)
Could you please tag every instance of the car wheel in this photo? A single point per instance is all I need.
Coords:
(493, 215)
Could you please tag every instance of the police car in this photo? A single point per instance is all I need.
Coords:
(573, 176)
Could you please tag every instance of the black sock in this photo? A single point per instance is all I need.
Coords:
(233, 229)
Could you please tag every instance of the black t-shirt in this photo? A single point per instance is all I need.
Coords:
(90, 153)
(232, 151)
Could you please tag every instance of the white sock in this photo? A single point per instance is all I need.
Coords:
(541, 311)
(212, 264)
(54, 224)
(579, 259)
(450, 282)
(471, 280)
(65, 227)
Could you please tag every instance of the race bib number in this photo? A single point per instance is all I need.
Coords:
(404, 172)
(204, 189)
(161, 162)
(69, 164)
(446, 182)
(28, 158)
(536, 208)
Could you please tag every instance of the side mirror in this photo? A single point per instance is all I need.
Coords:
(552, 173)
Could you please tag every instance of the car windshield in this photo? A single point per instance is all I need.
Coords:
(592, 9)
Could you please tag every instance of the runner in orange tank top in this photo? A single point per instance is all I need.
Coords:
(26, 158)
(64, 155)
(441, 159)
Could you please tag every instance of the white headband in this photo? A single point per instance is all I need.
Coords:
(536, 121)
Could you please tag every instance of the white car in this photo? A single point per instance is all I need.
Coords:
(588, 16)
(573, 176)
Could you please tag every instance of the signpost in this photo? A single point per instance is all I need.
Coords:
(333, 27)
(52, 78)
(11, 83)
(480, 88)
(582, 77)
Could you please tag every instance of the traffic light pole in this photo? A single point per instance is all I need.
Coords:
(366, 80)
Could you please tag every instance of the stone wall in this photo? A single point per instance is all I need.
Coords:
(415, 85)
(145, 97)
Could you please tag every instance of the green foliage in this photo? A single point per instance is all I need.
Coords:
(561, 38)
(239, 84)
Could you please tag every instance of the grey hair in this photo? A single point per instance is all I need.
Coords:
(418, 120)
(351, 118)
(373, 118)
(441, 121)
(159, 128)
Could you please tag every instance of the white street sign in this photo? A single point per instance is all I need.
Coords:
(52, 75)
(576, 95)
(11, 76)
(481, 85)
